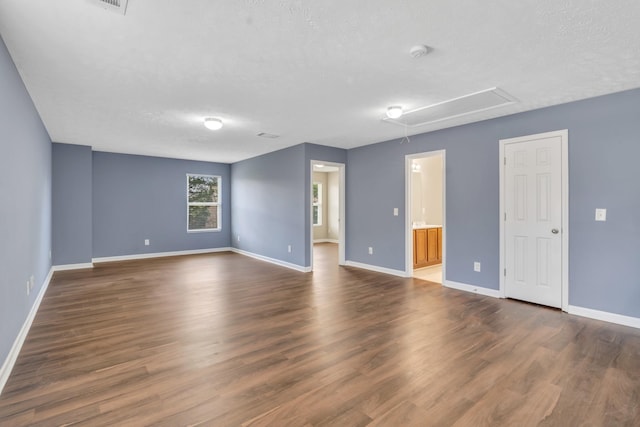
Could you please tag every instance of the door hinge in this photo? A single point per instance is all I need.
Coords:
(505, 216)
(505, 272)
(505, 161)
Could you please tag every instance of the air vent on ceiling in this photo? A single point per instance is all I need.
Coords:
(119, 6)
(457, 107)
(268, 135)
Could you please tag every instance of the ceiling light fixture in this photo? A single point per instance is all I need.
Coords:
(212, 123)
(319, 166)
(394, 112)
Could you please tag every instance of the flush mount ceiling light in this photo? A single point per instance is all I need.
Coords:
(319, 166)
(212, 123)
(394, 112)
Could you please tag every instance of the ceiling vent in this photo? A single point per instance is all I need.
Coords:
(118, 6)
(453, 108)
(268, 135)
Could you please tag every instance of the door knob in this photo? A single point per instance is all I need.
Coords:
(554, 230)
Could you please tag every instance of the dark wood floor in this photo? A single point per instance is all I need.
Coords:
(225, 340)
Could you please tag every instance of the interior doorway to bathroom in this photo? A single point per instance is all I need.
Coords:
(425, 210)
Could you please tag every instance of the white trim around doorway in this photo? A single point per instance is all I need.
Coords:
(408, 251)
(342, 217)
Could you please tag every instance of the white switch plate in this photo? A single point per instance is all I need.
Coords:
(395, 211)
(289, 248)
(601, 214)
(146, 242)
(370, 250)
(476, 266)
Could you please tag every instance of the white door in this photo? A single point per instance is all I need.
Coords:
(533, 219)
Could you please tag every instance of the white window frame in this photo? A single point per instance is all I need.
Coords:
(318, 203)
(218, 204)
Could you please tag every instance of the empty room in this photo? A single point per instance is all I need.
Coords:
(298, 213)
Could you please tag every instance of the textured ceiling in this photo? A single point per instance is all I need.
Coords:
(309, 71)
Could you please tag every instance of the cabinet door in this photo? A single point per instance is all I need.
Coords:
(439, 244)
(419, 247)
(432, 244)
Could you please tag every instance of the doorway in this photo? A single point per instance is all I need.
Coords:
(425, 197)
(327, 225)
(534, 218)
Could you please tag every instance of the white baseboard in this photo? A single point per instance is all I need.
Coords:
(272, 260)
(159, 255)
(7, 366)
(605, 316)
(326, 241)
(65, 267)
(376, 268)
(472, 288)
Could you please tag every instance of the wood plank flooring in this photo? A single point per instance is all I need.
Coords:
(226, 340)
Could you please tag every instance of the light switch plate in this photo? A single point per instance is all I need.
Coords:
(601, 214)
(395, 211)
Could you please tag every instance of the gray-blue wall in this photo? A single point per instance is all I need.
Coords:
(25, 202)
(71, 204)
(268, 205)
(139, 197)
(271, 201)
(604, 148)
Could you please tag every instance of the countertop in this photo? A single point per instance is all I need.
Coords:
(422, 226)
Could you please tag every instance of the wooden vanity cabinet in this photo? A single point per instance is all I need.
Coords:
(427, 246)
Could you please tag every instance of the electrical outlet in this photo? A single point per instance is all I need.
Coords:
(370, 250)
(289, 248)
(476, 266)
(146, 242)
(238, 238)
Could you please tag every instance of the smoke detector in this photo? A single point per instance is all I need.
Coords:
(419, 50)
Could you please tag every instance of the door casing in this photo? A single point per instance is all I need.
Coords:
(342, 210)
(408, 250)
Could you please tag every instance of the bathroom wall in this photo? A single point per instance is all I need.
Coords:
(426, 191)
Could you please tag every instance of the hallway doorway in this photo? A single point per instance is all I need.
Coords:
(327, 207)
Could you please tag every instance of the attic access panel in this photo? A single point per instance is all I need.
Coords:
(457, 107)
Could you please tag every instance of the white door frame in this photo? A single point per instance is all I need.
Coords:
(408, 208)
(342, 220)
(564, 161)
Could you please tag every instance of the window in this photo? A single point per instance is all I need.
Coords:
(317, 203)
(203, 203)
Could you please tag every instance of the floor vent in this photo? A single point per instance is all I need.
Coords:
(119, 6)
(457, 107)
